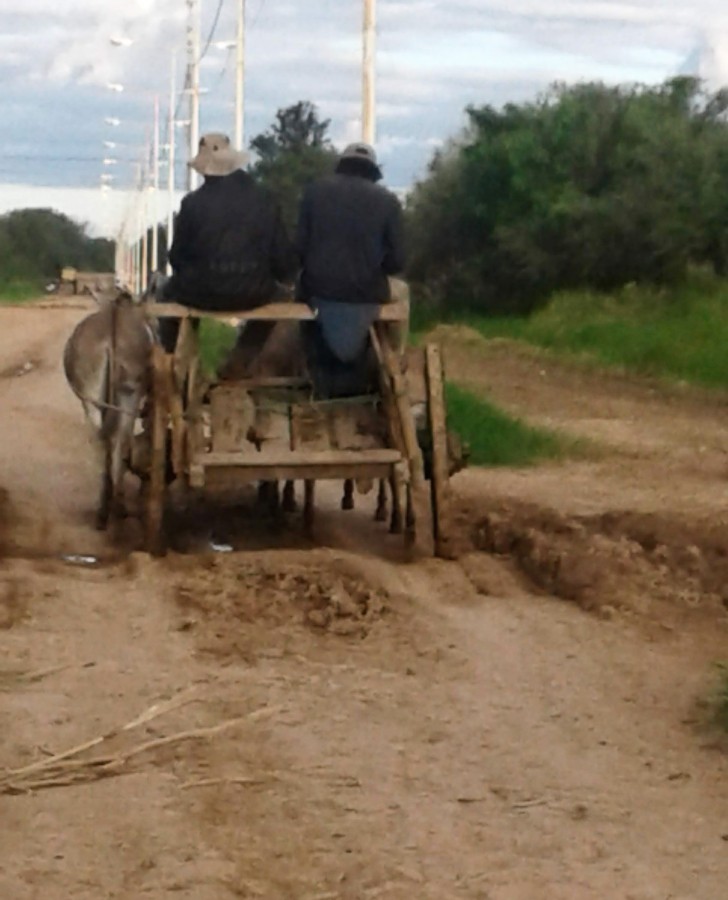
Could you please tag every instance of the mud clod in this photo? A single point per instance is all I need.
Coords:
(233, 601)
(614, 561)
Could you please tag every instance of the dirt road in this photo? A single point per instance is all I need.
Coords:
(518, 725)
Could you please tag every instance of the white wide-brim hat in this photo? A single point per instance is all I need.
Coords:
(216, 156)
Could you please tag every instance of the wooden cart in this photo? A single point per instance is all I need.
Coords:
(219, 436)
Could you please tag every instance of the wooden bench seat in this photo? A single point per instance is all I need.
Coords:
(211, 468)
(270, 312)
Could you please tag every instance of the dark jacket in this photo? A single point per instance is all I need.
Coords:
(230, 247)
(350, 238)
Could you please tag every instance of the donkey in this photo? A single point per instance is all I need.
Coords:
(107, 363)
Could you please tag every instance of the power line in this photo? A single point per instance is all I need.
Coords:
(257, 15)
(90, 159)
(211, 35)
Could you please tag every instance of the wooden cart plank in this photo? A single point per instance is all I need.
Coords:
(439, 481)
(232, 413)
(230, 476)
(272, 381)
(407, 431)
(293, 458)
(389, 312)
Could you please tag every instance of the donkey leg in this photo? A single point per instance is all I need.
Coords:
(381, 512)
(396, 522)
(120, 437)
(262, 494)
(347, 501)
(410, 518)
(104, 508)
(308, 505)
(289, 497)
(274, 498)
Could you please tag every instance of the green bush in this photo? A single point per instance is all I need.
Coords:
(495, 438)
(216, 341)
(18, 291)
(587, 187)
(36, 243)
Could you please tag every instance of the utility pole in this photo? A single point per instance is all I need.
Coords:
(171, 157)
(155, 187)
(144, 218)
(368, 117)
(240, 77)
(193, 64)
(136, 262)
(118, 252)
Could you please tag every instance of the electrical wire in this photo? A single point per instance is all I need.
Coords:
(257, 15)
(224, 70)
(213, 29)
(32, 159)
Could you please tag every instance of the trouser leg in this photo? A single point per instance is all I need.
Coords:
(253, 336)
(168, 330)
(250, 341)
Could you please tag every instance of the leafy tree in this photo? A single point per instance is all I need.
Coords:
(35, 243)
(292, 152)
(587, 186)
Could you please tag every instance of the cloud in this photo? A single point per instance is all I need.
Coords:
(434, 58)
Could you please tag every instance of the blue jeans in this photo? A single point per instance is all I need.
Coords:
(338, 350)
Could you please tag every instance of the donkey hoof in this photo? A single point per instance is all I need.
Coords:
(347, 503)
(380, 515)
(288, 502)
(396, 526)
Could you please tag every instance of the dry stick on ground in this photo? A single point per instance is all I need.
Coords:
(158, 709)
(15, 677)
(62, 772)
(214, 782)
(292, 776)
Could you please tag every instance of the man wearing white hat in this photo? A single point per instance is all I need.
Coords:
(230, 249)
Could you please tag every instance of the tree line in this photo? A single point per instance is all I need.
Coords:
(588, 186)
(36, 243)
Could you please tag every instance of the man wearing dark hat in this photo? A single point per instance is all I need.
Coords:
(230, 250)
(350, 240)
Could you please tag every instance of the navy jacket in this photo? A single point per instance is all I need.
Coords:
(350, 238)
(230, 247)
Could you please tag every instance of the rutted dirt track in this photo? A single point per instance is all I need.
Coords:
(516, 725)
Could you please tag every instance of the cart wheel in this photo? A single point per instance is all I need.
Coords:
(157, 489)
(439, 481)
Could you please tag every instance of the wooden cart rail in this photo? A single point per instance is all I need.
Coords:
(270, 312)
(294, 465)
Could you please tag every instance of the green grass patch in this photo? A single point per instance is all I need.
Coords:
(216, 341)
(19, 291)
(680, 333)
(494, 437)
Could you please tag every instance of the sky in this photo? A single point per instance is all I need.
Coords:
(434, 57)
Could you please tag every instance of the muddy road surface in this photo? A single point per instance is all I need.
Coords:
(302, 722)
